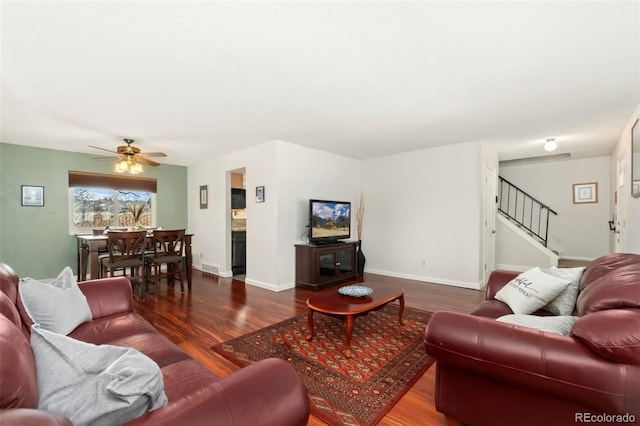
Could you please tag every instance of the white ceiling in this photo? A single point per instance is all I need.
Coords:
(362, 79)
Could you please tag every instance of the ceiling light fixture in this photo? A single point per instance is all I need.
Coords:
(128, 164)
(550, 145)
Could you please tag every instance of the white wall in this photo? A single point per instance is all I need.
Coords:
(517, 251)
(579, 231)
(211, 227)
(631, 227)
(291, 175)
(422, 216)
(303, 174)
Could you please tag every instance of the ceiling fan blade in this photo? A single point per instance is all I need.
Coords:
(127, 151)
(143, 160)
(102, 149)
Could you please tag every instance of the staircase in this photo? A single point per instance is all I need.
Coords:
(523, 230)
(529, 214)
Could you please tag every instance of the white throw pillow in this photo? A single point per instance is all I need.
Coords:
(531, 290)
(58, 306)
(94, 384)
(557, 324)
(565, 303)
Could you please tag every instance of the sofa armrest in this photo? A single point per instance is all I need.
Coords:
(278, 396)
(265, 393)
(108, 296)
(31, 417)
(498, 279)
(544, 362)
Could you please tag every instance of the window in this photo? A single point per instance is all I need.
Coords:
(98, 201)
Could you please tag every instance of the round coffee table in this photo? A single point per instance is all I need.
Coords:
(347, 307)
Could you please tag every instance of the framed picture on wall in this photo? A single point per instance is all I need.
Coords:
(204, 196)
(32, 196)
(584, 193)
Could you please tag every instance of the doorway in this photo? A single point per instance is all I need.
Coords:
(489, 230)
(238, 213)
(620, 211)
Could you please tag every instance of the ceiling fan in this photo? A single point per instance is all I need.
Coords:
(130, 158)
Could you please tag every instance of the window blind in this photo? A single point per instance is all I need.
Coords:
(98, 180)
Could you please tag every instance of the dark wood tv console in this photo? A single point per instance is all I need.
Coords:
(323, 265)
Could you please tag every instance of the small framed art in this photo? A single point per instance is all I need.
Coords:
(32, 196)
(584, 193)
(259, 194)
(204, 196)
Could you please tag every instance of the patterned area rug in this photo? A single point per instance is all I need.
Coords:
(388, 360)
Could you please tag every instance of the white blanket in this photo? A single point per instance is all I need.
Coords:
(94, 384)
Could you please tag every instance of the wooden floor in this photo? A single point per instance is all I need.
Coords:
(218, 309)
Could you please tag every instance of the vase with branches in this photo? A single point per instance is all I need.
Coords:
(360, 256)
(135, 211)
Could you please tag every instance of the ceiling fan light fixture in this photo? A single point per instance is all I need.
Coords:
(128, 164)
(130, 158)
(135, 168)
(122, 166)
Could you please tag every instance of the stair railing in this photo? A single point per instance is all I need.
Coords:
(524, 210)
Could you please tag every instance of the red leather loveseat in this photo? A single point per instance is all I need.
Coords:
(265, 393)
(490, 373)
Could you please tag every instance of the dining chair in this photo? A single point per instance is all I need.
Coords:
(168, 250)
(100, 247)
(126, 250)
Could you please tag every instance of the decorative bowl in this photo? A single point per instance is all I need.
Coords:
(355, 291)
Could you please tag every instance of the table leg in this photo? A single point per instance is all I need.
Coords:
(95, 267)
(84, 260)
(189, 258)
(310, 324)
(401, 300)
(348, 322)
(78, 257)
(143, 282)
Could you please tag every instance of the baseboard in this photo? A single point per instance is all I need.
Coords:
(223, 274)
(522, 268)
(475, 286)
(268, 286)
(517, 268)
(249, 281)
(585, 259)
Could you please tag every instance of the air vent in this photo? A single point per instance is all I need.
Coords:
(208, 267)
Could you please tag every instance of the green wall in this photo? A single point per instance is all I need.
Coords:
(35, 241)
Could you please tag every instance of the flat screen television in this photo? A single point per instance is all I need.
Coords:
(329, 221)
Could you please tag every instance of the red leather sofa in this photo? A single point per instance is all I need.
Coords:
(490, 373)
(265, 393)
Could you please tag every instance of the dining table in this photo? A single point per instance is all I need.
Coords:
(91, 246)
